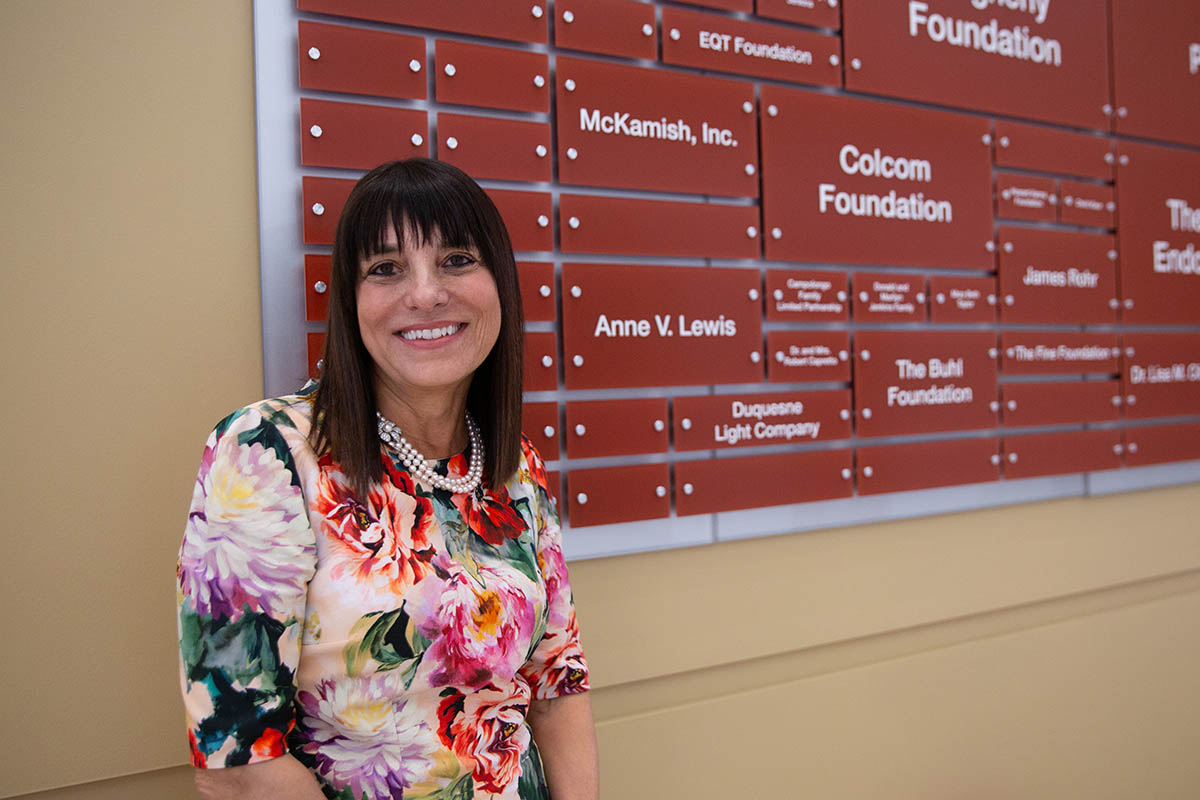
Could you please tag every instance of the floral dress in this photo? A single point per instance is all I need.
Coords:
(391, 643)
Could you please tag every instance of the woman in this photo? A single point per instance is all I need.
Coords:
(357, 621)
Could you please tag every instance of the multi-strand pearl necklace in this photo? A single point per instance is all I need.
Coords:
(420, 467)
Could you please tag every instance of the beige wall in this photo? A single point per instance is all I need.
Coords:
(1045, 650)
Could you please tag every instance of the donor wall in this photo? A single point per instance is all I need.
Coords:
(786, 264)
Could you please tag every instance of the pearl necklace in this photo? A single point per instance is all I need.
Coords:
(419, 466)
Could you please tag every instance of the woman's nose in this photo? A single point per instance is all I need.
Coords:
(425, 289)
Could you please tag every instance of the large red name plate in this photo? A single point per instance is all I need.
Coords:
(1053, 352)
(651, 129)
(716, 42)
(1161, 374)
(728, 484)
(518, 20)
(1024, 58)
(1158, 193)
(750, 420)
(914, 382)
(1057, 277)
(905, 467)
(857, 181)
(1156, 69)
(660, 326)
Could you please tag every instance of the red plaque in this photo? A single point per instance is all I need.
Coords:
(1156, 61)
(925, 465)
(889, 297)
(1026, 197)
(356, 136)
(613, 27)
(1092, 204)
(1057, 277)
(316, 286)
(516, 20)
(1162, 374)
(598, 428)
(323, 201)
(821, 13)
(1037, 147)
(660, 326)
(505, 149)
(1062, 453)
(337, 58)
(1029, 59)
(717, 422)
(656, 227)
(805, 356)
(727, 484)
(540, 364)
(726, 44)
(540, 423)
(316, 349)
(1158, 192)
(653, 129)
(526, 215)
(1058, 352)
(807, 296)
(874, 183)
(916, 382)
(493, 77)
(537, 290)
(958, 299)
(1060, 403)
(618, 494)
(1155, 444)
(727, 5)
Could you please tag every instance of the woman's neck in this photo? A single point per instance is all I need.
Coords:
(435, 424)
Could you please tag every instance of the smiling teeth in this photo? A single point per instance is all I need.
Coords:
(430, 333)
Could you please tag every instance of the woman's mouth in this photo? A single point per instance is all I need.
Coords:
(429, 334)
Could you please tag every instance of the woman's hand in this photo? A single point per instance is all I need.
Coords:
(266, 780)
(566, 737)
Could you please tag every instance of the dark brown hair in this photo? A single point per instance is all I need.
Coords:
(429, 198)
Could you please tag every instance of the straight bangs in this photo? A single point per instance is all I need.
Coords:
(425, 209)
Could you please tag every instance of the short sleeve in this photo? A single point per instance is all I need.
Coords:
(557, 665)
(247, 556)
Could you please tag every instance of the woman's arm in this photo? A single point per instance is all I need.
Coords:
(566, 737)
(266, 780)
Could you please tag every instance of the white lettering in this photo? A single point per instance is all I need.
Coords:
(989, 37)
(915, 207)
(876, 163)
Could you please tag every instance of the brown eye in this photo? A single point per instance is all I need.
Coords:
(383, 269)
(460, 261)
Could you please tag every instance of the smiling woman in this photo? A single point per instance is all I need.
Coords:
(373, 597)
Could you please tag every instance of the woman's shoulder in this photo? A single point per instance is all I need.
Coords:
(290, 415)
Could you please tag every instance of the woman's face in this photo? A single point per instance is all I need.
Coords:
(429, 315)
